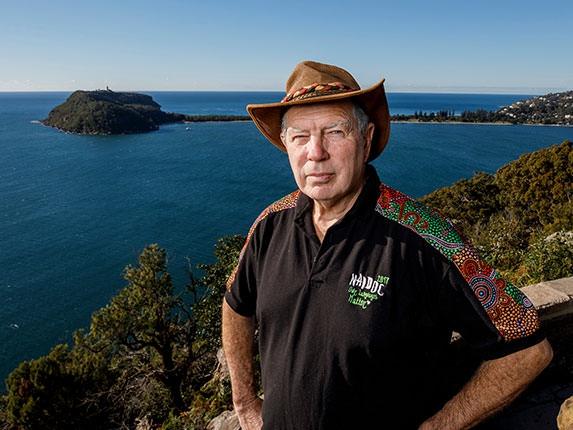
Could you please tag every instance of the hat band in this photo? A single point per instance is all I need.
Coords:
(316, 89)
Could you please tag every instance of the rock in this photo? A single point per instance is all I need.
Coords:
(543, 296)
(223, 368)
(565, 417)
(228, 420)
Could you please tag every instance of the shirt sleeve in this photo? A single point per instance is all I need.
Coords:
(491, 314)
(241, 294)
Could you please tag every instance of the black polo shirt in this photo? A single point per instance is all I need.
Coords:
(352, 331)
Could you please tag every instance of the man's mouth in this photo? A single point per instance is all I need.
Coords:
(319, 177)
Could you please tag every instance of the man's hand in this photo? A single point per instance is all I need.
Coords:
(250, 415)
(494, 385)
(238, 338)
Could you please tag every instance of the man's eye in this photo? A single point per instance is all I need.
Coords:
(336, 132)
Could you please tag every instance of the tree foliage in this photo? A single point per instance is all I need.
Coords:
(538, 187)
(49, 393)
(508, 215)
(146, 318)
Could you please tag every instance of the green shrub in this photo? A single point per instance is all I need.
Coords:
(549, 258)
(52, 393)
(502, 241)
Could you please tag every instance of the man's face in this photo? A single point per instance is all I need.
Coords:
(326, 151)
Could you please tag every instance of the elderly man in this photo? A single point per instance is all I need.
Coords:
(356, 288)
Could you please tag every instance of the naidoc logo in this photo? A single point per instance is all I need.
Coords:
(363, 290)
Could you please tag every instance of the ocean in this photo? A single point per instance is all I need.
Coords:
(75, 210)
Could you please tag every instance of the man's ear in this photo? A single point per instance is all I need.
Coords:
(368, 136)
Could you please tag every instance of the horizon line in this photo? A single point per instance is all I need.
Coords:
(426, 90)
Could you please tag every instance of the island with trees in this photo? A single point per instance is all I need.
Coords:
(105, 112)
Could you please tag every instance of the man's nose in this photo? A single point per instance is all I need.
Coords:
(316, 149)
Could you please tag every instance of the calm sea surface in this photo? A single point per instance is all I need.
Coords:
(74, 210)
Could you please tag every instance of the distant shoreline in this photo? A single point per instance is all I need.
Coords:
(477, 123)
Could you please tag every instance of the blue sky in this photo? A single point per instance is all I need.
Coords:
(436, 46)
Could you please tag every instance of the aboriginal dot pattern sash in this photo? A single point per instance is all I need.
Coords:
(511, 312)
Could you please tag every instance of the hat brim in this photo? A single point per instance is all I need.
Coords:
(267, 116)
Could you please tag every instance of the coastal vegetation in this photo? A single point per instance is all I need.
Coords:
(477, 116)
(149, 358)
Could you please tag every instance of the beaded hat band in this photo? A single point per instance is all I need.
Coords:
(312, 82)
(316, 89)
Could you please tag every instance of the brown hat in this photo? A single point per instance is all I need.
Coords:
(312, 82)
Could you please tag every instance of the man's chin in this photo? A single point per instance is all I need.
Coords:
(319, 192)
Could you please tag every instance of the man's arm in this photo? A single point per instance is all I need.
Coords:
(495, 384)
(238, 339)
